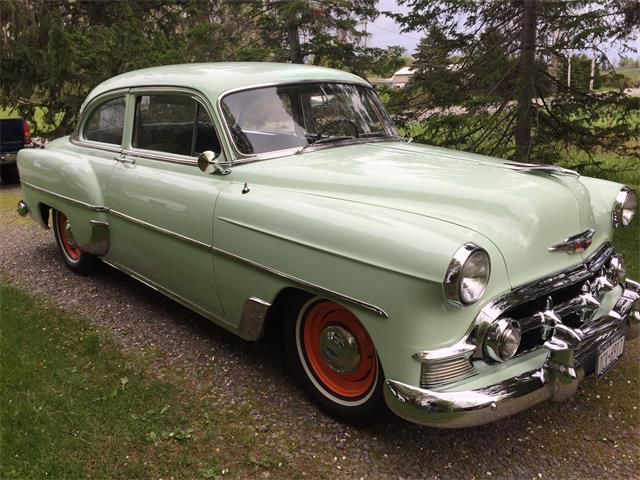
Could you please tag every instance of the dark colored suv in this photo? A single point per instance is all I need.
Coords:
(14, 136)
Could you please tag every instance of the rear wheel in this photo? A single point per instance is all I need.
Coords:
(77, 260)
(334, 358)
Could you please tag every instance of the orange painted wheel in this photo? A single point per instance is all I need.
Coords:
(68, 244)
(338, 350)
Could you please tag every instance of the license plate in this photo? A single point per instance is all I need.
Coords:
(609, 352)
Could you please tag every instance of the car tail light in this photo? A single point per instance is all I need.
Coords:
(27, 133)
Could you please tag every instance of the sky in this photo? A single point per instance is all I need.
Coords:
(384, 32)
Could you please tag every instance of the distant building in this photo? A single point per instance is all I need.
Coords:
(377, 82)
(402, 76)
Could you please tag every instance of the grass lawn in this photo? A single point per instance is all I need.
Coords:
(74, 406)
(39, 118)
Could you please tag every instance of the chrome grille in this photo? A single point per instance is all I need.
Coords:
(441, 371)
(572, 301)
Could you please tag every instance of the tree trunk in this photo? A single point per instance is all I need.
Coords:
(592, 77)
(525, 79)
(294, 40)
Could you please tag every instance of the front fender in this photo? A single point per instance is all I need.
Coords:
(391, 259)
(603, 194)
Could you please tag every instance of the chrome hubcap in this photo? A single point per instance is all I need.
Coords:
(339, 349)
(69, 234)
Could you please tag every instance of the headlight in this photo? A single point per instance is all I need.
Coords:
(502, 340)
(468, 275)
(624, 207)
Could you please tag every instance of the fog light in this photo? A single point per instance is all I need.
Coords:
(502, 340)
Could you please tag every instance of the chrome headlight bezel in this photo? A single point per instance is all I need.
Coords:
(624, 207)
(457, 273)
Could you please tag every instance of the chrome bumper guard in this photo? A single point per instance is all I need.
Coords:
(572, 356)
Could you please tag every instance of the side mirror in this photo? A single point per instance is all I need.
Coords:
(209, 162)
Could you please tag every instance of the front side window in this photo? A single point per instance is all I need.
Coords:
(173, 124)
(106, 122)
(269, 119)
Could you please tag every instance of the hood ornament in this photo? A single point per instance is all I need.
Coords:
(537, 167)
(575, 244)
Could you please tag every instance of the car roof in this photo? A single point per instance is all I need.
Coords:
(213, 79)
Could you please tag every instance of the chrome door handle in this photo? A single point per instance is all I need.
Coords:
(124, 159)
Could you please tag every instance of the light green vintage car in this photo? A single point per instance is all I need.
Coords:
(457, 289)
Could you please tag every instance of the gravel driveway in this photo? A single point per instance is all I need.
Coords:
(596, 434)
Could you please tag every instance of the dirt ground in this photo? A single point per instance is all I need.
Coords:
(595, 434)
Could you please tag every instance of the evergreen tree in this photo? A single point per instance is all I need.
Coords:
(502, 67)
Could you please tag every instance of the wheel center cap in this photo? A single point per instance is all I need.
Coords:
(339, 349)
(69, 234)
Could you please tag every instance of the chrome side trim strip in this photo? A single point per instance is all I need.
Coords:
(304, 283)
(95, 208)
(156, 228)
(320, 249)
(259, 266)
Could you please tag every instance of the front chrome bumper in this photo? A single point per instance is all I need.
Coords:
(572, 356)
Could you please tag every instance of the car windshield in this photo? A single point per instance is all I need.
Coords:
(268, 119)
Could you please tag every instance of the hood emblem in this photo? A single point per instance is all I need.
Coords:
(575, 244)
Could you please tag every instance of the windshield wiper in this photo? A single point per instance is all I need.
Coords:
(332, 139)
(321, 141)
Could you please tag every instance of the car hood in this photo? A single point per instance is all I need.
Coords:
(522, 212)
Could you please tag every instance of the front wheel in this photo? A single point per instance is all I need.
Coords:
(75, 259)
(334, 358)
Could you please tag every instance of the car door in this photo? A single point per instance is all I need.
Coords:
(160, 204)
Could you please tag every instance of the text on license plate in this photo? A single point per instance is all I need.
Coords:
(609, 353)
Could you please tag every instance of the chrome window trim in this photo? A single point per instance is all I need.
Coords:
(163, 157)
(167, 156)
(241, 158)
(77, 137)
(107, 147)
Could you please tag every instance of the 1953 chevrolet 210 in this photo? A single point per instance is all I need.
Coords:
(456, 288)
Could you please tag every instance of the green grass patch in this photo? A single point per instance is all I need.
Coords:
(8, 203)
(41, 124)
(74, 406)
(632, 73)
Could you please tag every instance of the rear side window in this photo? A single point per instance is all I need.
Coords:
(106, 122)
(173, 124)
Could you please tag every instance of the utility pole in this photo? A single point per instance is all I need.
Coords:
(525, 79)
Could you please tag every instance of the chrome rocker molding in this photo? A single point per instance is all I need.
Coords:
(558, 379)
